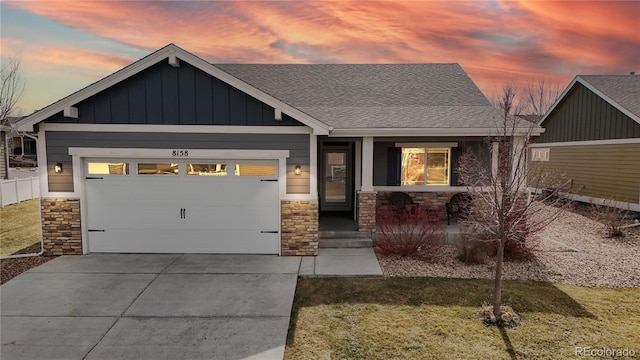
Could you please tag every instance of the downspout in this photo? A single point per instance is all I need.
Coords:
(17, 256)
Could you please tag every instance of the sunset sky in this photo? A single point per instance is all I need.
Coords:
(65, 46)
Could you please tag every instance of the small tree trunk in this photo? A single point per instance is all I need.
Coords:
(497, 288)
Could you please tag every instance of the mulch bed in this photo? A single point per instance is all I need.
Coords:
(10, 268)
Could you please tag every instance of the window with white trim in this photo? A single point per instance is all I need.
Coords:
(422, 166)
(540, 154)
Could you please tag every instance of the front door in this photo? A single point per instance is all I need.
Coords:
(337, 179)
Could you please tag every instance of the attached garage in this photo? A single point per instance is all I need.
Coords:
(182, 206)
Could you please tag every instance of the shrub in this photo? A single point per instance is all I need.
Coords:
(407, 232)
(608, 212)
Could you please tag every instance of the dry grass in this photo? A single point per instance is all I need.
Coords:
(19, 226)
(435, 318)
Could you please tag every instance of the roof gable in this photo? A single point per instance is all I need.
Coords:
(582, 114)
(173, 54)
(621, 91)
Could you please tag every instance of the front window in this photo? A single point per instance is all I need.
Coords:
(425, 166)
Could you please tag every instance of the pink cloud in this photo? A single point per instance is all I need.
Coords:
(508, 41)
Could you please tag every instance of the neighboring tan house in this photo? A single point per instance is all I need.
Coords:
(592, 135)
(174, 154)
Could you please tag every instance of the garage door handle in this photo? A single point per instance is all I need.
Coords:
(268, 179)
(94, 178)
(183, 213)
(95, 230)
(268, 232)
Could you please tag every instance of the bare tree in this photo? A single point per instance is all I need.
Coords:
(540, 95)
(12, 88)
(501, 209)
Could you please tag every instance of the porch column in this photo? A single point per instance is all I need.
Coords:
(367, 164)
(366, 195)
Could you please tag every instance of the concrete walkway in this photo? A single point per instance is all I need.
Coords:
(341, 262)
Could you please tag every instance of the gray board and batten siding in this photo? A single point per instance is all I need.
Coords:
(582, 116)
(59, 142)
(167, 95)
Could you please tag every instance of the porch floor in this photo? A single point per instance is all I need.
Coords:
(337, 221)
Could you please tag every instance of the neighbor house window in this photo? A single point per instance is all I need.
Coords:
(425, 166)
(540, 154)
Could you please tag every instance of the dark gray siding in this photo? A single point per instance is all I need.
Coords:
(583, 115)
(381, 151)
(163, 94)
(58, 144)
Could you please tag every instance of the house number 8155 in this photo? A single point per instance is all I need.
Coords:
(180, 153)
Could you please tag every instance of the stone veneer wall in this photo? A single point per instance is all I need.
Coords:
(299, 225)
(61, 233)
(367, 211)
(428, 200)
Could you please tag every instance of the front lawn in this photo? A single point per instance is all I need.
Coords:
(436, 318)
(19, 226)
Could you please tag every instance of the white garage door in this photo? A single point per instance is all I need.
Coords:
(186, 207)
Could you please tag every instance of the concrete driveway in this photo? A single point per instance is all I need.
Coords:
(131, 306)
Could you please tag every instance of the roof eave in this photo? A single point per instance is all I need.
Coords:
(427, 132)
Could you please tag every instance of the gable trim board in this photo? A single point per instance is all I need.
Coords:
(28, 122)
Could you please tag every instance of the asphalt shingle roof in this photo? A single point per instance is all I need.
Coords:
(623, 89)
(353, 96)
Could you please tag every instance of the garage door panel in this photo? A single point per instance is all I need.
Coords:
(143, 213)
(184, 241)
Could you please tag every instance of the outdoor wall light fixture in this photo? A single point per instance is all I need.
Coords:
(58, 168)
(298, 169)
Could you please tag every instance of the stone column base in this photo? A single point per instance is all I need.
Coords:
(61, 233)
(299, 227)
(367, 211)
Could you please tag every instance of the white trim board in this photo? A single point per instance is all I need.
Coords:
(233, 154)
(208, 129)
(587, 143)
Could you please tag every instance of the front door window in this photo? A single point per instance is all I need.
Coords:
(336, 180)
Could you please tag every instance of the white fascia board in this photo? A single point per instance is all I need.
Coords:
(208, 129)
(27, 123)
(385, 132)
(131, 153)
(587, 143)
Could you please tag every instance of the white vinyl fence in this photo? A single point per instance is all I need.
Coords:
(17, 190)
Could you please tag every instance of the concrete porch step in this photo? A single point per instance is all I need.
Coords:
(345, 243)
(343, 234)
